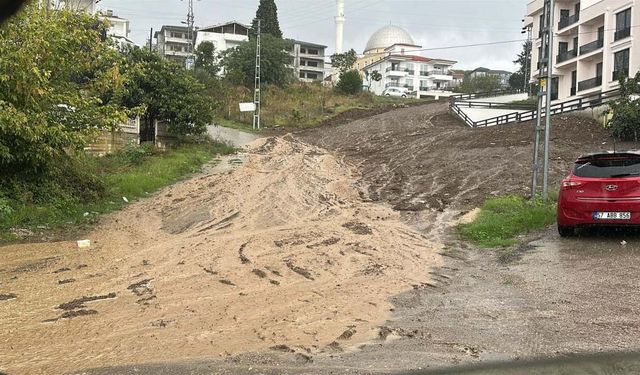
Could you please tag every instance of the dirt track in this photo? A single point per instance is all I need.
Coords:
(273, 250)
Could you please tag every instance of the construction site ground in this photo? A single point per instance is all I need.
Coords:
(328, 251)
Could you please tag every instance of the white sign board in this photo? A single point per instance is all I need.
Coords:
(247, 107)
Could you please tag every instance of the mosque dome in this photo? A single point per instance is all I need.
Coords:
(388, 36)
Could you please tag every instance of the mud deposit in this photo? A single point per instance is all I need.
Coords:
(275, 251)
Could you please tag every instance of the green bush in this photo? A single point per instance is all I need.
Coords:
(350, 83)
(134, 154)
(625, 123)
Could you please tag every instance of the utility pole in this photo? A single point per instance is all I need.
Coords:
(547, 127)
(190, 33)
(256, 92)
(545, 62)
(151, 40)
(527, 60)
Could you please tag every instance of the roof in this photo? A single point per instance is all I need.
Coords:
(491, 71)
(225, 24)
(388, 36)
(309, 44)
(174, 28)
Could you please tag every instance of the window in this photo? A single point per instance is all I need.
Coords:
(623, 24)
(621, 64)
(312, 76)
(302, 75)
(312, 51)
(303, 50)
(176, 35)
(312, 63)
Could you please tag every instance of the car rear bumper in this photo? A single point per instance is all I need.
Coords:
(581, 213)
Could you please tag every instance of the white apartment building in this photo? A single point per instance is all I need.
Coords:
(594, 43)
(118, 28)
(308, 61)
(173, 43)
(413, 72)
(88, 6)
(224, 36)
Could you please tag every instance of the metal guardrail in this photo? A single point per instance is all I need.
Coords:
(593, 46)
(586, 102)
(568, 21)
(487, 94)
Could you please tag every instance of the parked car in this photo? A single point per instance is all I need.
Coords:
(400, 92)
(603, 189)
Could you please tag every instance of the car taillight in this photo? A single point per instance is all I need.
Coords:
(566, 185)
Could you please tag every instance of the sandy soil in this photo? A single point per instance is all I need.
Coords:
(270, 249)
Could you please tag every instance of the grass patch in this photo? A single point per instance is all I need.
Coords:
(502, 219)
(530, 101)
(132, 173)
(299, 105)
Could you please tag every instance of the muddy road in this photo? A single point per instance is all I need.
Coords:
(329, 252)
(269, 250)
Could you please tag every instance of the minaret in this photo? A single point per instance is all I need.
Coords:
(339, 25)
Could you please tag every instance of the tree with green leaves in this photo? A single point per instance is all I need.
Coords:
(59, 81)
(239, 62)
(625, 123)
(344, 61)
(485, 83)
(206, 59)
(517, 79)
(350, 82)
(165, 91)
(268, 13)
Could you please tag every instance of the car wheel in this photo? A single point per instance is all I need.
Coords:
(565, 231)
(388, 94)
(404, 96)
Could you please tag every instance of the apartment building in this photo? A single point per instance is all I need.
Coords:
(224, 36)
(308, 61)
(118, 28)
(88, 6)
(173, 43)
(594, 44)
(415, 73)
(502, 75)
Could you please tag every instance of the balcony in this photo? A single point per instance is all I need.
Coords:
(568, 55)
(568, 21)
(410, 72)
(590, 83)
(590, 47)
(622, 33)
(392, 84)
(408, 87)
(395, 72)
(424, 88)
(424, 74)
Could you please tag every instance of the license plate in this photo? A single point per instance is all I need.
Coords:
(612, 215)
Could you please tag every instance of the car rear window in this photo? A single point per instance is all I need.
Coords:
(608, 166)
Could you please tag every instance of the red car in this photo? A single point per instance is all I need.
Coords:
(603, 189)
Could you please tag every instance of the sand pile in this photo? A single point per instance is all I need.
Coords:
(269, 250)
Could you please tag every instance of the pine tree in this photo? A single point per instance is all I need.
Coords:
(268, 13)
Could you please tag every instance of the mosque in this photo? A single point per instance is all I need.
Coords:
(383, 39)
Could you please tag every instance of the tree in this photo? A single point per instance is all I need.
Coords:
(268, 13)
(58, 83)
(206, 59)
(350, 82)
(344, 61)
(485, 83)
(517, 79)
(163, 90)
(625, 123)
(239, 62)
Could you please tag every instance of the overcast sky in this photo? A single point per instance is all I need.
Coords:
(432, 23)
